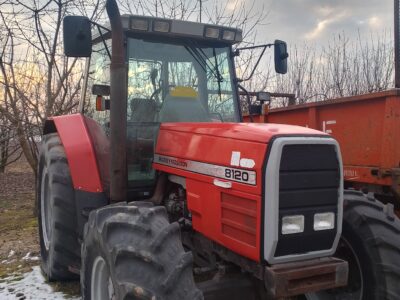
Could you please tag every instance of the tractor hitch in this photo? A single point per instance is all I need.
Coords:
(290, 279)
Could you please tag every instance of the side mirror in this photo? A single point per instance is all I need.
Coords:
(77, 36)
(281, 56)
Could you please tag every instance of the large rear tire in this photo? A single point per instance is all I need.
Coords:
(59, 245)
(371, 244)
(133, 252)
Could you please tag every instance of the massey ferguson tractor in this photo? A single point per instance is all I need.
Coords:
(155, 190)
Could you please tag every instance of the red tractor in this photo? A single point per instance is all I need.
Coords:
(156, 182)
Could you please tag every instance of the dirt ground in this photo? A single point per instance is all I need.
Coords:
(18, 226)
(19, 240)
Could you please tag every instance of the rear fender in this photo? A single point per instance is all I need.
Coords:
(79, 149)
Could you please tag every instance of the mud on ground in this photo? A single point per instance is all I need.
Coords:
(19, 239)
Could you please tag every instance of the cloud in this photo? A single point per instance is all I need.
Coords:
(375, 22)
(318, 30)
(233, 4)
(318, 21)
(324, 11)
(322, 25)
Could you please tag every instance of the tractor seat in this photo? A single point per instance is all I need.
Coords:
(183, 105)
(142, 110)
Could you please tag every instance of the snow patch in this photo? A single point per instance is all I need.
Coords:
(31, 285)
(12, 252)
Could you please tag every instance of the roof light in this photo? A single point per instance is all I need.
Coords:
(161, 26)
(238, 36)
(211, 32)
(228, 35)
(139, 24)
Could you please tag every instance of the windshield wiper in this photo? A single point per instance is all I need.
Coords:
(219, 76)
(203, 60)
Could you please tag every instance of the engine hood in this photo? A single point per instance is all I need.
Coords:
(219, 146)
(251, 132)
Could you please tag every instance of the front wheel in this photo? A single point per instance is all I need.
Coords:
(133, 252)
(370, 243)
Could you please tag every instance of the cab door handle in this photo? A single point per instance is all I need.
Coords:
(223, 184)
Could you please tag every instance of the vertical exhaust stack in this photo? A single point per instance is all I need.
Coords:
(118, 69)
(396, 43)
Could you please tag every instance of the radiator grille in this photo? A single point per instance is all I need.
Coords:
(309, 183)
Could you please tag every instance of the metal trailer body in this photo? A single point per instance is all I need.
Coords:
(367, 128)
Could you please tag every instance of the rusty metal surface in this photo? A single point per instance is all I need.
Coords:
(367, 128)
(383, 94)
(290, 279)
(396, 43)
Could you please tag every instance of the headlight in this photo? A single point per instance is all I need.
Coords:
(324, 221)
(292, 224)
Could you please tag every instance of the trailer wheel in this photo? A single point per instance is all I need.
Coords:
(133, 252)
(59, 245)
(370, 243)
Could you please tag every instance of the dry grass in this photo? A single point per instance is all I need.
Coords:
(18, 226)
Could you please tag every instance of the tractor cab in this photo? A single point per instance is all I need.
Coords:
(176, 71)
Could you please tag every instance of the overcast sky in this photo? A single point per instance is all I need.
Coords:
(317, 21)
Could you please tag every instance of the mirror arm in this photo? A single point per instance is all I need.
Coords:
(248, 101)
(254, 47)
(100, 26)
(265, 46)
(102, 37)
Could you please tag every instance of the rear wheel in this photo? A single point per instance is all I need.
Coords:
(133, 252)
(59, 245)
(370, 244)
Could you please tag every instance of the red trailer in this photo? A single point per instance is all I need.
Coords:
(367, 128)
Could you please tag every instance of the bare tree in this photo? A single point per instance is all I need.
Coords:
(10, 150)
(342, 68)
(38, 80)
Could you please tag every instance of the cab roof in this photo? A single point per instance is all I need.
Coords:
(177, 28)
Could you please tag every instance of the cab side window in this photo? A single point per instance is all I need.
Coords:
(99, 73)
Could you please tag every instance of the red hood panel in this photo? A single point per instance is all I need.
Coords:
(261, 133)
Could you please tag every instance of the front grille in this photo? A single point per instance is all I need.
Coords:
(309, 183)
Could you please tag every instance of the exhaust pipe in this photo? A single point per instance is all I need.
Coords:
(118, 113)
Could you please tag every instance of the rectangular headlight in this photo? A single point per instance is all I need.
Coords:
(228, 35)
(161, 26)
(139, 24)
(292, 224)
(324, 221)
(211, 32)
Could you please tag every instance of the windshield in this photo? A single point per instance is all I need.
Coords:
(167, 82)
(182, 82)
